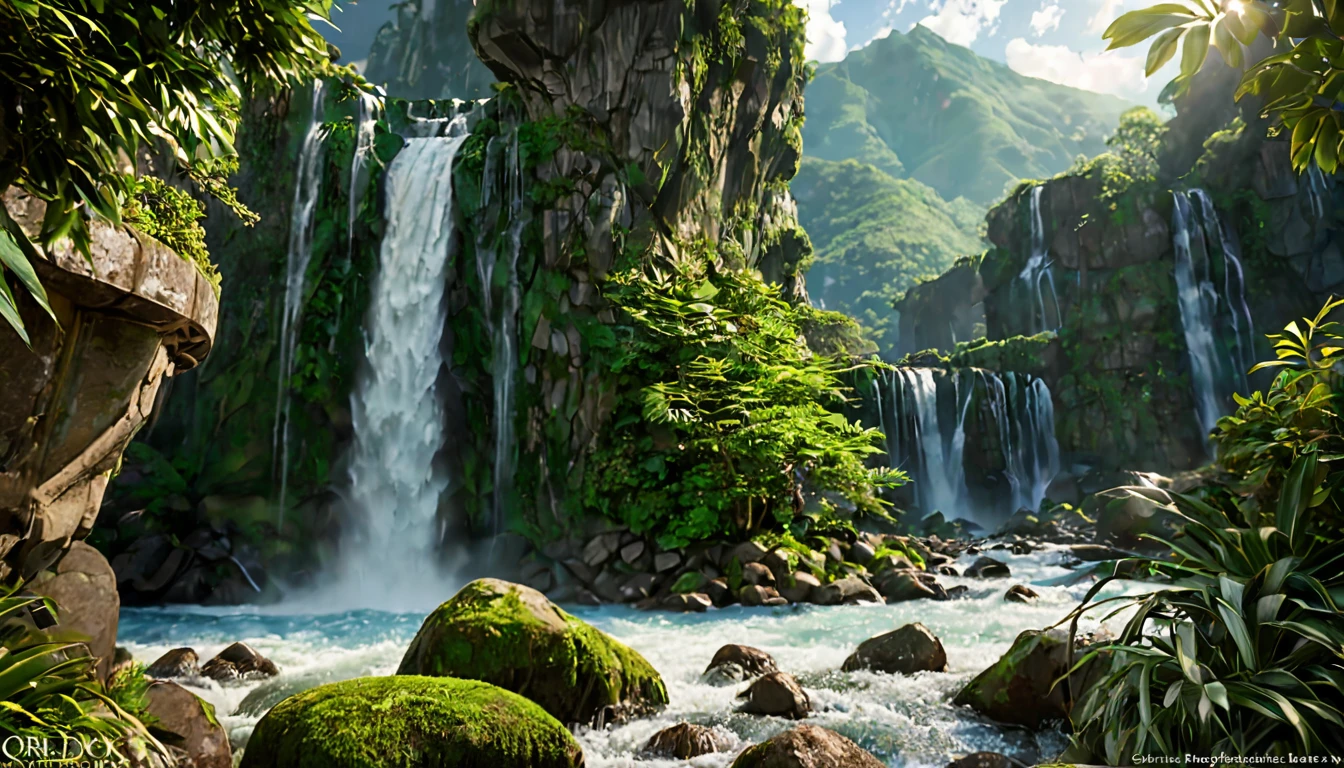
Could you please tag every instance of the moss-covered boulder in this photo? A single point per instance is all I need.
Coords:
(410, 722)
(1020, 688)
(513, 637)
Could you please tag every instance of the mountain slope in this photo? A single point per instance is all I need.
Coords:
(875, 236)
(916, 106)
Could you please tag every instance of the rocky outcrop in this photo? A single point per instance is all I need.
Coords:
(185, 722)
(449, 722)
(684, 741)
(807, 746)
(126, 318)
(910, 649)
(1020, 688)
(424, 53)
(512, 636)
(85, 591)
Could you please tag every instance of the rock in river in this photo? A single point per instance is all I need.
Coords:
(1020, 688)
(420, 722)
(807, 746)
(684, 741)
(512, 636)
(777, 695)
(910, 649)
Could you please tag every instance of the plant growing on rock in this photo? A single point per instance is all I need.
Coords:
(727, 416)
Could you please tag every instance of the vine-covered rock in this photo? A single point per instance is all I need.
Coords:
(512, 636)
(410, 722)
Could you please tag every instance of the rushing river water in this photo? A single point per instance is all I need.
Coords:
(906, 721)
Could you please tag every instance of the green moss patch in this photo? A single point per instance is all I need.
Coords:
(410, 722)
(513, 637)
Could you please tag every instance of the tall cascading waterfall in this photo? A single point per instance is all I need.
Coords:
(307, 190)
(497, 268)
(932, 449)
(397, 410)
(1038, 274)
(1217, 366)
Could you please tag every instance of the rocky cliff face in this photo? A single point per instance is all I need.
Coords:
(425, 53)
(627, 134)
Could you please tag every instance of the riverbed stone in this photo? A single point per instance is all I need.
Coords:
(84, 588)
(512, 636)
(987, 568)
(757, 574)
(900, 586)
(861, 552)
(718, 592)
(753, 661)
(847, 591)
(777, 694)
(807, 746)
(910, 649)
(798, 589)
(1019, 593)
(179, 662)
(686, 740)
(1019, 689)
(238, 661)
(695, 602)
(745, 553)
(449, 722)
(185, 721)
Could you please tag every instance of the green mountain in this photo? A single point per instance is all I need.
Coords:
(917, 106)
(875, 236)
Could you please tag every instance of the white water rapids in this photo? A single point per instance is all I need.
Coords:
(905, 721)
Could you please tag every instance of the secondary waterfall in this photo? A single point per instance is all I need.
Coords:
(307, 190)
(397, 410)
(1039, 275)
(1211, 292)
(926, 416)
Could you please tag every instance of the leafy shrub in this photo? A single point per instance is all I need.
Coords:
(1242, 649)
(171, 216)
(728, 416)
(48, 689)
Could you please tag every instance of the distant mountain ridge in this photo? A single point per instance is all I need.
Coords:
(917, 106)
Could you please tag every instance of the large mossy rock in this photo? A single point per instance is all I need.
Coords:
(410, 722)
(1020, 688)
(513, 637)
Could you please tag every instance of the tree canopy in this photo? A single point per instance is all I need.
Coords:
(84, 84)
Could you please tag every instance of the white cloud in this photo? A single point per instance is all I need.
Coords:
(1047, 19)
(1106, 72)
(825, 35)
(1106, 13)
(961, 21)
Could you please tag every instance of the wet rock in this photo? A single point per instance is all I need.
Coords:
(455, 722)
(890, 563)
(1095, 553)
(718, 592)
(1022, 548)
(778, 563)
(807, 746)
(189, 723)
(632, 552)
(84, 587)
(684, 741)
(238, 661)
(910, 649)
(776, 695)
(987, 568)
(746, 552)
(983, 760)
(666, 561)
(955, 592)
(1020, 688)
(861, 552)
(179, 662)
(696, 602)
(846, 591)
(513, 637)
(637, 587)
(947, 570)
(1020, 594)
(757, 574)
(724, 675)
(754, 596)
(753, 661)
(601, 549)
(799, 587)
(899, 586)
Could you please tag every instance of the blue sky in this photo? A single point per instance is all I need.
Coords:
(1057, 40)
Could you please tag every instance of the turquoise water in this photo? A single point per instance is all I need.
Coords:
(906, 721)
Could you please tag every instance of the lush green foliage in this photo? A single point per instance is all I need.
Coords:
(1300, 86)
(1135, 144)
(87, 83)
(916, 106)
(48, 687)
(172, 216)
(875, 237)
(1298, 416)
(725, 415)
(1242, 649)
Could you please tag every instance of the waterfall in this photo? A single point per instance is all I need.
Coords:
(397, 410)
(307, 190)
(497, 262)
(1215, 369)
(365, 124)
(1038, 274)
(932, 449)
